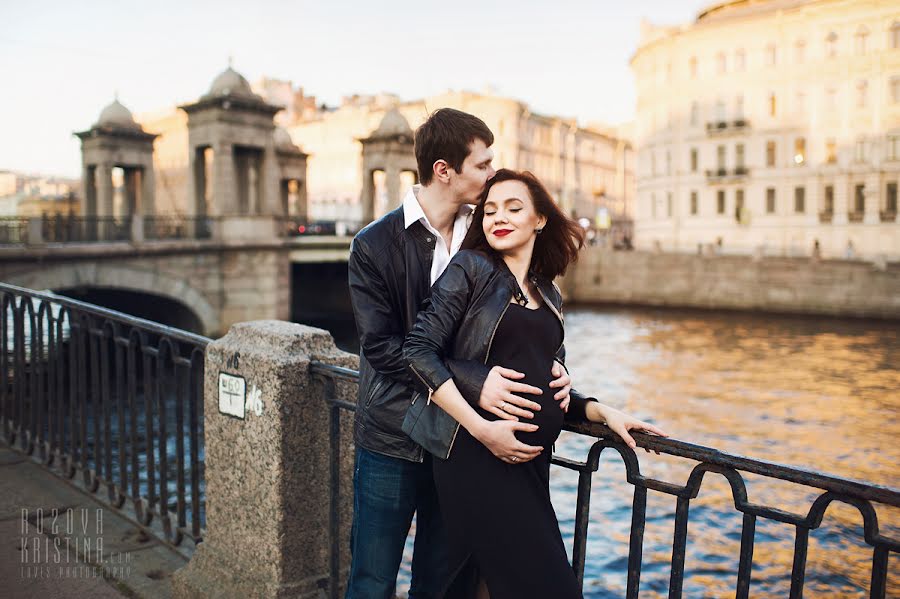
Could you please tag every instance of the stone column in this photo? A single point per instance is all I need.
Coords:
(368, 195)
(841, 199)
(132, 191)
(873, 191)
(148, 191)
(104, 190)
(224, 188)
(89, 184)
(302, 200)
(268, 468)
(392, 185)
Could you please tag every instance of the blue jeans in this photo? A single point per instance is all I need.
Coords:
(387, 491)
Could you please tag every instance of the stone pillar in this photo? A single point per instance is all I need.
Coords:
(148, 191)
(104, 190)
(268, 469)
(268, 171)
(302, 200)
(841, 200)
(137, 228)
(132, 191)
(873, 191)
(368, 196)
(392, 185)
(224, 188)
(89, 184)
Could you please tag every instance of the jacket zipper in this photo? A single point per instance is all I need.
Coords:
(430, 390)
(558, 316)
(486, 356)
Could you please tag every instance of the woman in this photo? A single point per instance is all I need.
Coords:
(497, 303)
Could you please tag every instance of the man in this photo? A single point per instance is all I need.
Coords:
(393, 263)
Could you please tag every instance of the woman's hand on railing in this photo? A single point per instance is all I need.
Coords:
(621, 423)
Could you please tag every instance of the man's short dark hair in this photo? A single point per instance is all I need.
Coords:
(447, 135)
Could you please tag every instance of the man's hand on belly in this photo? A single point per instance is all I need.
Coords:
(498, 394)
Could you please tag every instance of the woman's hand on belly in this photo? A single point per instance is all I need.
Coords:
(499, 436)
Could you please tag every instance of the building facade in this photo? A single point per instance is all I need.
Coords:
(584, 168)
(771, 127)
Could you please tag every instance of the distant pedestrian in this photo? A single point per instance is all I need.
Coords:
(850, 252)
(817, 250)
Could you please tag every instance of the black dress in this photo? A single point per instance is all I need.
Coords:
(499, 519)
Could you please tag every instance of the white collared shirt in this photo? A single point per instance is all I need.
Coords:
(412, 212)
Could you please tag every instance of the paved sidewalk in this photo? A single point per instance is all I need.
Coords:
(89, 551)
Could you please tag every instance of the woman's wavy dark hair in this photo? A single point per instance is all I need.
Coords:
(555, 248)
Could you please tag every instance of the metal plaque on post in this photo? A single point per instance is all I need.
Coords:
(232, 395)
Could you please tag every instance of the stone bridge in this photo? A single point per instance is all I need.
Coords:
(199, 285)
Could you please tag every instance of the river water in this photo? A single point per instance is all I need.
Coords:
(818, 393)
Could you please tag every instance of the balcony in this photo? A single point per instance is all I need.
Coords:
(855, 217)
(826, 216)
(714, 128)
(888, 216)
(724, 175)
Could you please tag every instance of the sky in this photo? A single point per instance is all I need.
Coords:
(63, 61)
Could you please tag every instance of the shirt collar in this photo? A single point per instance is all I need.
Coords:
(412, 210)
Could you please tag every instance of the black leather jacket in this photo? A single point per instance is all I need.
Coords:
(459, 322)
(390, 277)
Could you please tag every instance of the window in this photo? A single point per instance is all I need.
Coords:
(895, 90)
(800, 150)
(890, 199)
(861, 40)
(669, 204)
(720, 158)
(720, 201)
(770, 153)
(653, 205)
(738, 204)
(829, 199)
(772, 104)
(893, 147)
(830, 151)
(799, 200)
(694, 160)
(859, 153)
(862, 93)
(739, 107)
(894, 36)
(771, 55)
(721, 63)
(831, 45)
(695, 114)
(740, 60)
(694, 203)
(693, 67)
(720, 110)
(770, 200)
(859, 199)
(739, 156)
(800, 52)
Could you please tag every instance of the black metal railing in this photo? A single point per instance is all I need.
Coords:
(84, 229)
(13, 230)
(160, 227)
(828, 490)
(115, 398)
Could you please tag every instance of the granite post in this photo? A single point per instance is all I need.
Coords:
(268, 466)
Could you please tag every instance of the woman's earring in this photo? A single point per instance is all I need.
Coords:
(538, 230)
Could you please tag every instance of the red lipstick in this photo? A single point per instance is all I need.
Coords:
(502, 232)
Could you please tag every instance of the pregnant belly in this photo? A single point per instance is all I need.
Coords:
(549, 419)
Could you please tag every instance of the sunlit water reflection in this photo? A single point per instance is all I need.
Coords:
(817, 393)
